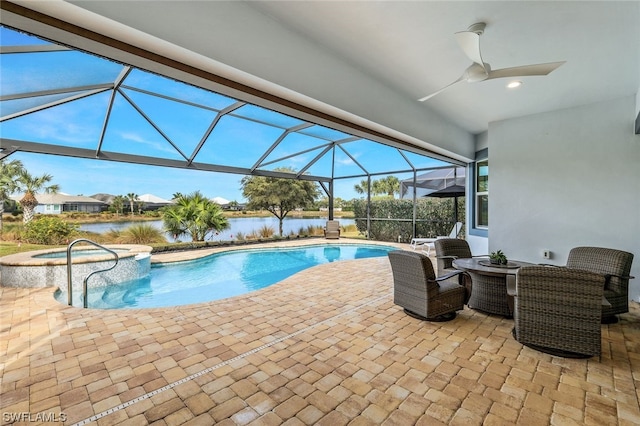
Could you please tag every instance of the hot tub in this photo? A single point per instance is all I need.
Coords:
(48, 268)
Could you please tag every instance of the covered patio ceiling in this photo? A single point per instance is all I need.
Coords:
(62, 101)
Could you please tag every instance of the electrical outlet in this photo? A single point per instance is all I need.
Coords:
(546, 254)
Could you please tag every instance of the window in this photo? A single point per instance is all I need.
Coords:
(482, 194)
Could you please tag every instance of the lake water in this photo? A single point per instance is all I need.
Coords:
(245, 225)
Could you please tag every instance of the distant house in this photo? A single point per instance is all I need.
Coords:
(105, 198)
(152, 202)
(234, 206)
(228, 205)
(143, 202)
(61, 202)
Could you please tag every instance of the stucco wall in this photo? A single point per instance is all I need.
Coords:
(566, 178)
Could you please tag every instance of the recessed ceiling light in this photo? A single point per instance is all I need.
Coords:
(514, 84)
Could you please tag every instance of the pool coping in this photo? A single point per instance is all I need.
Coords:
(180, 256)
(28, 258)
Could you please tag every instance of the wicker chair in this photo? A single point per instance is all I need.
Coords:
(332, 229)
(557, 310)
(616, 266)
(448, 250)
(420, 293)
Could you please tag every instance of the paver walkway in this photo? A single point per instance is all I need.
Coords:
(326, 346)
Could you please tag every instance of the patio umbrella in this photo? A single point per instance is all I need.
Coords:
(434, 180)
(453, 191)
(449, 191)
(440, 183)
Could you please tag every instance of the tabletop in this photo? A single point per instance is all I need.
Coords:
(482, 266)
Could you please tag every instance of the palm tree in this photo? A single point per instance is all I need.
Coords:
(389, 185)
(31, 185)
(361, 188)
(9, 173)
(118, 204)
(132, 198)
(194, 215)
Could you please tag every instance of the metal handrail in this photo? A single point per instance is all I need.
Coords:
(84, 283)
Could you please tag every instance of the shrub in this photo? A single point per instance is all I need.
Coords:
(112, 235)
(142, 233)
(12, 231)
(351, 228)
(311, 230)
(266, 231)
(77, 215)
(94, 236)
(48, 230)
(194, 215)
(392, 218)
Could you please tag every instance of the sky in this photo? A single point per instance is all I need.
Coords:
(51, 98)
(77, 176)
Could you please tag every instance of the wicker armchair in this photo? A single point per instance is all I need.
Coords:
(557, 310)
(332, 229)
(616, 266)
(448, 250)
(420, 293)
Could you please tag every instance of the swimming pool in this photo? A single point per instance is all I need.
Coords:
(219, 276)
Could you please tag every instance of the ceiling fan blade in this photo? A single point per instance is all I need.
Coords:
(525, 71)
(441, 90)
(470, 44)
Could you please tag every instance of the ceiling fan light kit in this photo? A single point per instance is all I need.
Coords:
(469, 42)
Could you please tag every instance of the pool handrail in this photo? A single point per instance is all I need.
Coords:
(84, 282)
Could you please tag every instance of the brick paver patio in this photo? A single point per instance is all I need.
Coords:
(326, 346)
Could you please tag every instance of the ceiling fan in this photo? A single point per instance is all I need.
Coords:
(479, 70)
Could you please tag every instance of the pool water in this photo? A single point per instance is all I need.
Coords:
(219, 276)
(77, 253)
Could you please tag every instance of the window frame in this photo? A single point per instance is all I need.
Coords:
(476, 228)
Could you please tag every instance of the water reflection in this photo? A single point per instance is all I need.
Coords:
(332, 253)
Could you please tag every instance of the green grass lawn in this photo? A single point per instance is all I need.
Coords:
(11, 247)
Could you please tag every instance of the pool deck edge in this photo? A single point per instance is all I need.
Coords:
(179, 256)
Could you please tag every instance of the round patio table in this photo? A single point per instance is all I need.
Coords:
(489, 284)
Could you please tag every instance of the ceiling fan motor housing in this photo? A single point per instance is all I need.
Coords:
(477, 28)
